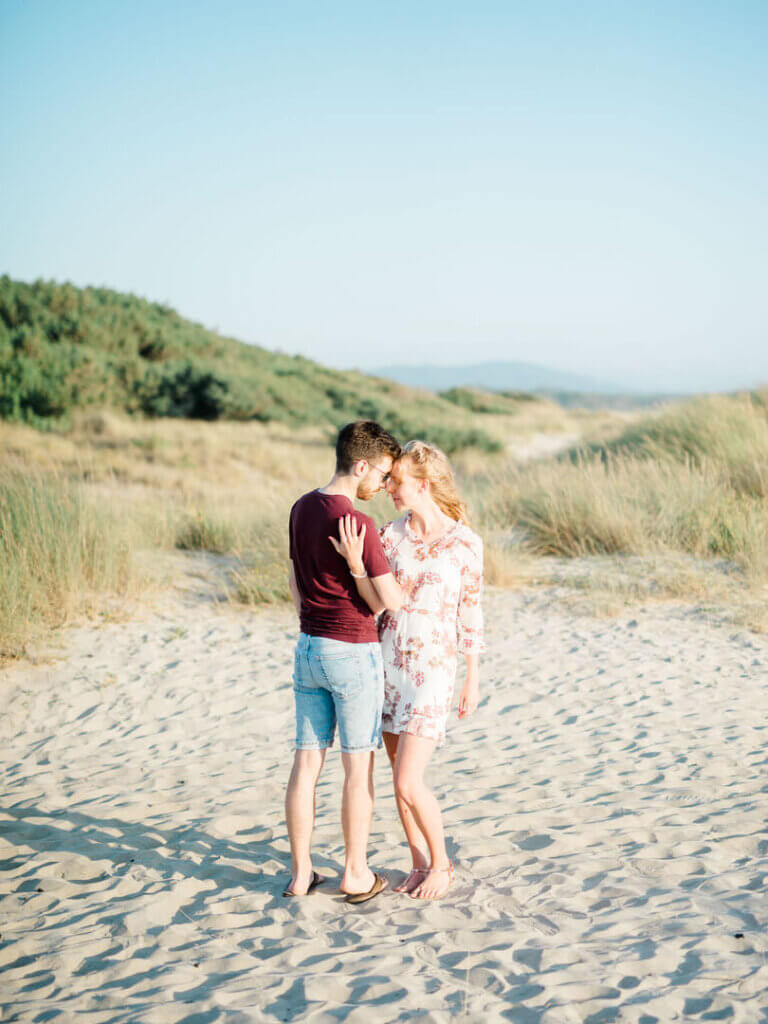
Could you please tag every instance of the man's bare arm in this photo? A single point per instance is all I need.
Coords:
(294, 587)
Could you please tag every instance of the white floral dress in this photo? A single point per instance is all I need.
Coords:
(440, 616)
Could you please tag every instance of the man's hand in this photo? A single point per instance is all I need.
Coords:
(350, 544)
(470, 697)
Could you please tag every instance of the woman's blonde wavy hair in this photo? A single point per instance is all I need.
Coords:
(428, 462)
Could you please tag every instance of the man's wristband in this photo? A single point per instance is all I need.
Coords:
(358, 575)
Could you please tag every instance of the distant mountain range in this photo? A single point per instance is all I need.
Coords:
(506, 376)
(642, 389)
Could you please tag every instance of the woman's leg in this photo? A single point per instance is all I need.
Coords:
(416, 841)
(413, 754)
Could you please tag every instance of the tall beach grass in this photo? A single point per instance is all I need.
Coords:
(693, 480)
(60, 553)
(629, 505)
(76, 506)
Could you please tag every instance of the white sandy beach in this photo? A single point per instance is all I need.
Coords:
(606, 810)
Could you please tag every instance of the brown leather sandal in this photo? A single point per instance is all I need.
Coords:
(379, 884)
(316, 880)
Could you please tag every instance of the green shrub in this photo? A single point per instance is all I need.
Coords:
(477, 400)
(63, 348)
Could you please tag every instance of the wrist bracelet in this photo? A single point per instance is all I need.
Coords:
(361, 576)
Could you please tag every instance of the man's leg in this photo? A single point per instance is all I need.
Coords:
(300, 815)
(356, 817)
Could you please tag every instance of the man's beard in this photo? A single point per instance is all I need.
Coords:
(365, 492)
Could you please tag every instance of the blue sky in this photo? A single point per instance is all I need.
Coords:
(577, 185)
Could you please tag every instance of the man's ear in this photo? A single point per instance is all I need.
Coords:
(360, 467)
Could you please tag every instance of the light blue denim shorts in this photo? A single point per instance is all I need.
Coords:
(335, 681)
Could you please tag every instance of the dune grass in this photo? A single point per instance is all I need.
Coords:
(77, 505)
(629, 505)
(690, 480)
(59, 553)
(200, 531)
(263, 576)
(693, 480)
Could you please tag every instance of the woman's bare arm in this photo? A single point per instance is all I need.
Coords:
(367, 591)
(380, 593)
(389, 591)
(470, 692)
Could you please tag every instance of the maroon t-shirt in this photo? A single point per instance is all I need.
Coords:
(330, 603)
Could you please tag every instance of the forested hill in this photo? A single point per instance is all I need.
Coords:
(64, 348)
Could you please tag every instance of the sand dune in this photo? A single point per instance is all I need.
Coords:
(606, 809)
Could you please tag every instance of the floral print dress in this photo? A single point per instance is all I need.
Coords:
(440, 617)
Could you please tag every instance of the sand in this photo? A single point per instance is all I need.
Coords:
(606, 810)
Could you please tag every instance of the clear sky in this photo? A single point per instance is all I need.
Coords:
(581, 185)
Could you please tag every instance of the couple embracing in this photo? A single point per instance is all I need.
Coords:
(391, 680)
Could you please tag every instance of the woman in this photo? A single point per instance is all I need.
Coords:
(437, 560)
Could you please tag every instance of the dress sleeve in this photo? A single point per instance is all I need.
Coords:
(469, 626)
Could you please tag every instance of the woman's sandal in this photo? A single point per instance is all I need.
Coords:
(401, 886)
(451, 875)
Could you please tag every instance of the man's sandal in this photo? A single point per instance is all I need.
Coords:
(451, 875)
(379, 884)
(316, 880)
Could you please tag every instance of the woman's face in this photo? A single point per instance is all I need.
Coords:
(404, 489)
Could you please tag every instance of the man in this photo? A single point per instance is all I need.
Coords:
(338, 676)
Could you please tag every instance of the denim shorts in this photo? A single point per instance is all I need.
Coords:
(335, 681)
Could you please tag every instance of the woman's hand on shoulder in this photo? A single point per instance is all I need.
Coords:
(350, 543)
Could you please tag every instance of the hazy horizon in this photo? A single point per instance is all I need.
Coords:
(597, 384)
(640, 385)
(580, 189)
